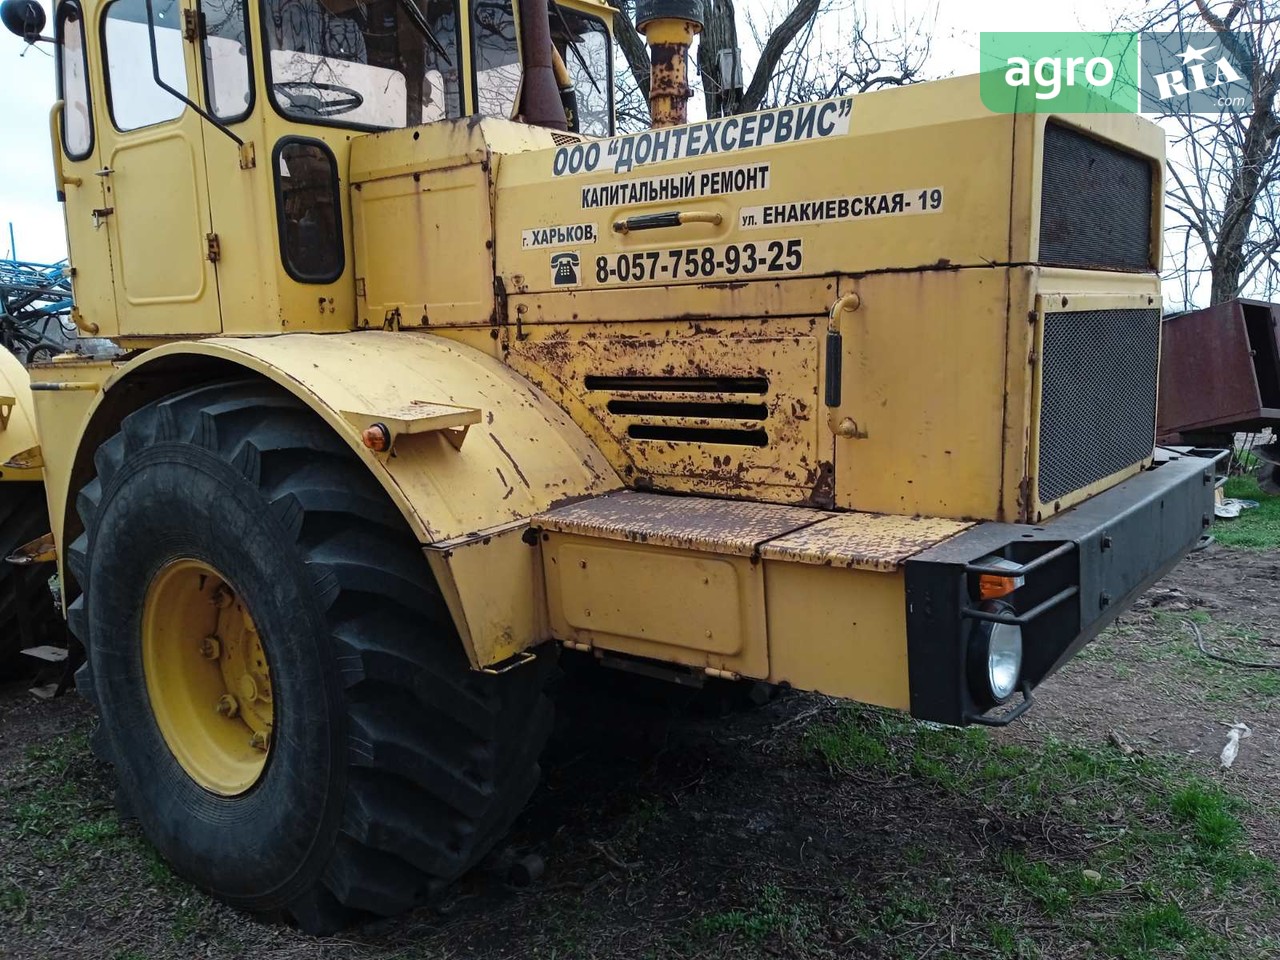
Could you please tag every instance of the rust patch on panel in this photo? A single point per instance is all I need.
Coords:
(725, 415)
(823, 493)
(864, 541)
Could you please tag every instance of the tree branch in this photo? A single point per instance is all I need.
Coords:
(633, 48)
(801, 14)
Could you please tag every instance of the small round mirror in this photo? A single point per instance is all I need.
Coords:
(23, 17)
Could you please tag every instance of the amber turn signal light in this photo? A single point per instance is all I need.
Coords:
(992, 586)
(377, 438)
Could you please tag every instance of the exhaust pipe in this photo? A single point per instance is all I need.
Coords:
(540, 94)
(669, 26)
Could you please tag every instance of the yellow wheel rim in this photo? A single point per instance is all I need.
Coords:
(207, 676)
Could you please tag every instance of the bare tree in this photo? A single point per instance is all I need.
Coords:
(724, 95)
(868, 56)
(791, 62)
(632, 77)
(1222, 193)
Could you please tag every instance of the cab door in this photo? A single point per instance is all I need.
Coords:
(163, 248)
(77, 158)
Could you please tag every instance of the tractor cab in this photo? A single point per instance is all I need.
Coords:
(202, 146)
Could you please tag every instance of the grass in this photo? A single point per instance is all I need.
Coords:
(53, 811)
(1165, 846)
(965, 844)
(1127, 645)
(769, 913)
(1258, 528)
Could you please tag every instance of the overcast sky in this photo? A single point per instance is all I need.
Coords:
(27, 92)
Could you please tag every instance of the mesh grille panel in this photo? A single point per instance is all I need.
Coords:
(1097, 396)
(1095, 204)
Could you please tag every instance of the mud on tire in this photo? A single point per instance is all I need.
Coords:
(393, 767)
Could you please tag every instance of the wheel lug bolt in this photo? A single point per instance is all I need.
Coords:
(227, 705)
(260, 741)
(211, 648)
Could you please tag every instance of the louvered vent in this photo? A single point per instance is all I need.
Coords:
(720, 410)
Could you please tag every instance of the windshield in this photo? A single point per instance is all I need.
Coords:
(396, 63)
(388, 63)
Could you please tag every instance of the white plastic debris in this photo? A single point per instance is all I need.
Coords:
(1228, 508)
(1231, 507)
(1238, 732)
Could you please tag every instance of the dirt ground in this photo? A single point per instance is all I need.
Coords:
(799, 829)
(1146, 681)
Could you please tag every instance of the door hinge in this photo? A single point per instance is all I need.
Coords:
(190, 25)
(215, 247)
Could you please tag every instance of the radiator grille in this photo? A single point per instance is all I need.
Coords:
(1095, 204)
(1097, 396)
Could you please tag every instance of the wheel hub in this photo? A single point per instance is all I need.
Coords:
(207, 676)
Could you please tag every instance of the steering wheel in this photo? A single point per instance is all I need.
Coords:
(307, 96)
(495, 17)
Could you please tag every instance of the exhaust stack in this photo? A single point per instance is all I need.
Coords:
(669, 26)
(540, 95)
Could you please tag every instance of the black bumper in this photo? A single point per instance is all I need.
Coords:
(1081, 569)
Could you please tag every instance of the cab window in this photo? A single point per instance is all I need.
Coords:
(497, 57)
(308, 210)
(133, 97)
(384, 64)
(583, 43)
(73, 83)
(228, 78)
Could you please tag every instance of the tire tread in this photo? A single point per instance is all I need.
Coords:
(440, 759)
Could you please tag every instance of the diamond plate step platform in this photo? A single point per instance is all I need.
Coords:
(864, 541)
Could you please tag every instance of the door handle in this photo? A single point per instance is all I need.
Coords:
(676, 218)
(55, 139)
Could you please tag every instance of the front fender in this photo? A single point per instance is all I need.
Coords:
(469, 503)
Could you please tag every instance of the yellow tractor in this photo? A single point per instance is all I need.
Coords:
(428, 374)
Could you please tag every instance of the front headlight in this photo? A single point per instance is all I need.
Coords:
(995, 659)
(1004, 660)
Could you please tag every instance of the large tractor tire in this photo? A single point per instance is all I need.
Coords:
(290, 712)
(28, 615)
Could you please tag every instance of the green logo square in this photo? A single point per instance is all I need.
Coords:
(1060, 72)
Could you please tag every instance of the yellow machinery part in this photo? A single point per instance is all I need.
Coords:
(18, 440)
(786, 594)
(438, 399)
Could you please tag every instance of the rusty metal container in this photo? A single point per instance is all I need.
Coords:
(1220, 370)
